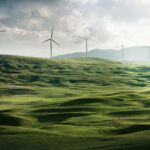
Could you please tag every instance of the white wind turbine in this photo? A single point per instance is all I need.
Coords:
(123, 52)
(121, 48)
(86, 45)
(51, 40)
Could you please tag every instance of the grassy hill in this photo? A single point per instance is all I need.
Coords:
(78, 104)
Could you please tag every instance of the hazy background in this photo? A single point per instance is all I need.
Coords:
(109, 23)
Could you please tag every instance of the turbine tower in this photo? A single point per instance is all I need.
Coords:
(51, 40)
(86, 45)
(122, 51)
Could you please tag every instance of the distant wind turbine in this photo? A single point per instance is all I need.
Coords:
(86, 45)
(122, 51)
(51, 40)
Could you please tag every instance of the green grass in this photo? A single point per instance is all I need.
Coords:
(79, 104)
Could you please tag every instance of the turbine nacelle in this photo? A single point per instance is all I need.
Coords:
(52, 41)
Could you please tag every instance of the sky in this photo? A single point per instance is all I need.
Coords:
(108, 23)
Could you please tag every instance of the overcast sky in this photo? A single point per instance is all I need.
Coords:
(109, 23)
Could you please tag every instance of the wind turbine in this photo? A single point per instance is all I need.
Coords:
(122, 52)
(86, 44)
(51, 40)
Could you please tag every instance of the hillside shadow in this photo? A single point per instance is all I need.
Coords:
(9, 120)
(133, 129)
(61, 110)
(130, 113)
(16, 91)
(56, 118)
(84, 101)
(12, 133)
(5, 111)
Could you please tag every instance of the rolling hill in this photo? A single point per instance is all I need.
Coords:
(78, 104)
(137, 53)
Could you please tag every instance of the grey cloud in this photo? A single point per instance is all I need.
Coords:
(125, 11)
(33, 19)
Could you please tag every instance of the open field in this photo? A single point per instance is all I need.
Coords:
(73, 104)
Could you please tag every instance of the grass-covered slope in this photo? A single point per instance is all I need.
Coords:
(79, 104)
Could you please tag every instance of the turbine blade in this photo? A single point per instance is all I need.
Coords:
(46, 40)
(56, 42)
(52, 33)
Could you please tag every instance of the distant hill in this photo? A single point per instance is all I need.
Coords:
(131, 54)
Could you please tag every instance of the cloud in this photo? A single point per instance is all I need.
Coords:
(124, 11)
(84, 1)
(106, 22)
